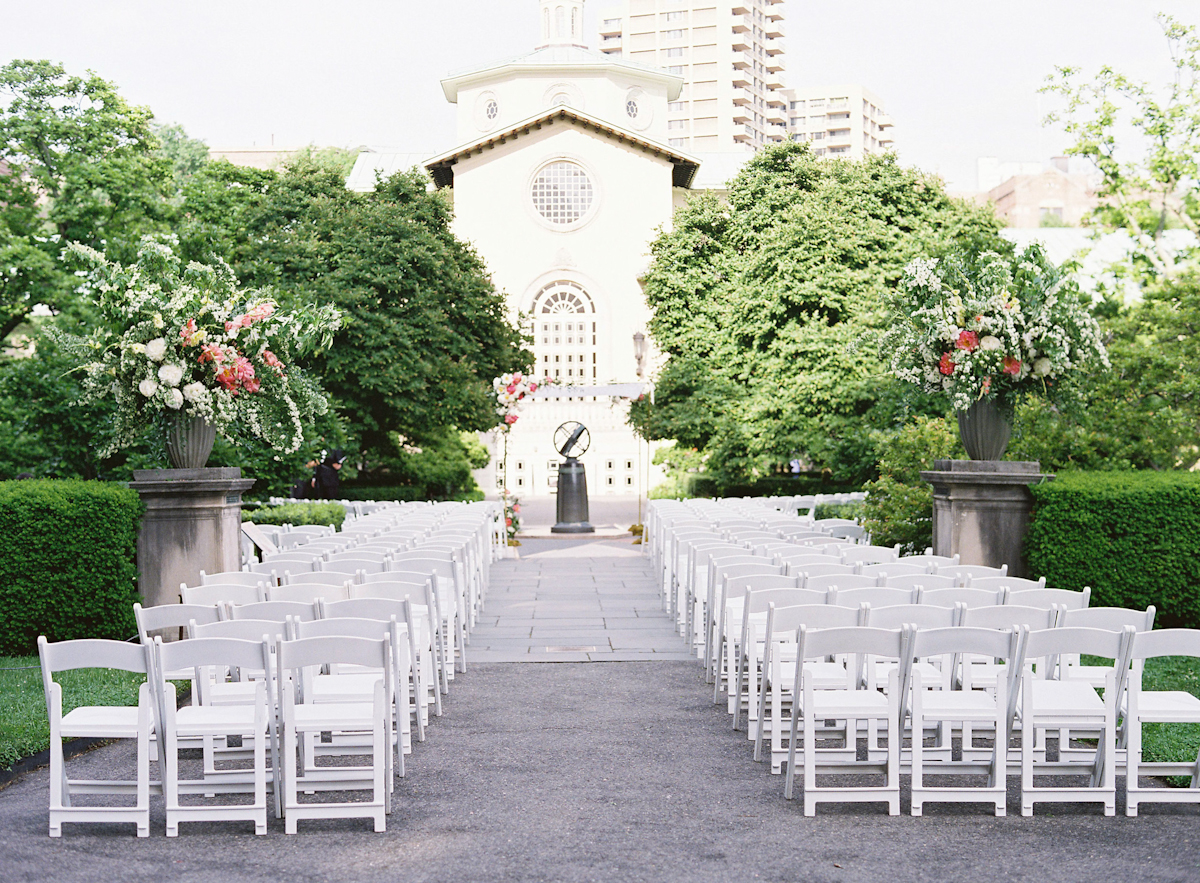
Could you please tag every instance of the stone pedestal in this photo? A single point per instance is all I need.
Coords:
(981, 510)
(193, 522)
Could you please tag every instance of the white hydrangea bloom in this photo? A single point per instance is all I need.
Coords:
(171, 374)
(148, 387)
(195, 393)
(174, 399)
(156, 349)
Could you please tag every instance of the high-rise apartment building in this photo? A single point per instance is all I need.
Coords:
(730, 54)
(845, 121)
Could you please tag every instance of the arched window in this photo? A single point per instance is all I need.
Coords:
(574, 22)
(546, 24)
(560, 22)
(563, 327)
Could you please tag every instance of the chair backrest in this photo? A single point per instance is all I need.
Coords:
(1166, 642)
(925, 581)
(245, 577)
(210, 650)
(391, 588)
(1110, 618)
(737, 587)
(923, 616)
(782, 622)
(309, 593)
(870, 554)
(171, 616)
(90, 653)
(1005, 616)
(305, 560)
(1064, 598)
(218, 593)
(738, 571)
(353, 567)
(962, 571)
(808, 570)
(343, 626)
(818, 643)
(1012, 583)
(240, 629)
(1115, 645)
(332, 649)
(316, 578)
(759, 601)
(960, 595)
(359, 555)
(275, 611)
(419, 566)
(369, 608)
(841, 581)
(876, 596)
(997, 643)
(894, 568)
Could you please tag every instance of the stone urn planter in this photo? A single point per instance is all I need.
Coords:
(189, 442)
(985, 430)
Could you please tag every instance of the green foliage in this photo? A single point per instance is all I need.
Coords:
(851, 511)
(24, 727)
(767, 308)
(403, 493)
(187, 155)
(1149, 193)
(297, 513)
(899, 505)
(66, 562)
(81, 164)
(425, 329)
(1133, 537)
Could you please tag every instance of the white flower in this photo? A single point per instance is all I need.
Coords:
(174, 399)
(989, 342)
(158, 320)
(171, 374)
(1041, 367)
(148, 387)
(156, 349)
(195, 392)
(138, 348)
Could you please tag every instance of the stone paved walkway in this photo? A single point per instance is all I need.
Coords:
(580, 600)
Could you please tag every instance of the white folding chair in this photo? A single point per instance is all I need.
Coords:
(1073, 705)
(97, 722)
(815, 700)
(1064, 598)
(219, 593)
(250, 721)
(939, 710)
(274, 611)
(300, 716)
(1159, 706)
(309, 593)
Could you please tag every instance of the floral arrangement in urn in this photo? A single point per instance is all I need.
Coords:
(191, 344)
(994, 331)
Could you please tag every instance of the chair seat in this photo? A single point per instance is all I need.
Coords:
(1174, 706)
(101, 721)
(948, 703)
(1066, 699)
(198, 720)
(231, 692)
(335, 716)
(849, 703)
(828, 674)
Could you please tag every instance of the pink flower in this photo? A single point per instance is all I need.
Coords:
(510, 419)
(946, 364)
(272, 361)
(987, 385)
(968, 340)
(511, 388)
(210, 352)
(1012, 366)
(533, 387)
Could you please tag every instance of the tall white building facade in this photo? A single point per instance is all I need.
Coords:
(730, 54)
(846, 121)
(561, 178)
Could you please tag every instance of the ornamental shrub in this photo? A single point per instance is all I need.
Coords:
(1134, 537)
(67, 562)
(298, 513)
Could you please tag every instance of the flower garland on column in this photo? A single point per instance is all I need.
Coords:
(510, 390)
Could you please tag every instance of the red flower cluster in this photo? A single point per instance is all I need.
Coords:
(946, 364)
(967, 340)
(1012, 365)
(238, 375)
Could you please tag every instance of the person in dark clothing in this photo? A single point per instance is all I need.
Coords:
(325, 482)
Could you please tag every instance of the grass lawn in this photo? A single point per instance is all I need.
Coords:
(24, 727)
(1171, 742)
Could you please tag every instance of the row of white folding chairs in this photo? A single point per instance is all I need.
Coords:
(820, 690)
(742, 647)
(275, 712)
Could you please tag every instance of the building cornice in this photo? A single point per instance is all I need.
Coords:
(441, 168)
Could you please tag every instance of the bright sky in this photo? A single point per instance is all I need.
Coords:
(960, 77)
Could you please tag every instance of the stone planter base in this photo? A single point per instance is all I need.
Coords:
(981, 510)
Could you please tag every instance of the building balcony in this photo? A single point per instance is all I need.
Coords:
(610, 26)
(741, 8)
(774, 29)
(884, 121)
(743, 115)
(774, 81)
(741, 43)
(742, 24)
(775, 65)
(774, 99)
(885, 141)
(773, 47)
(743, 99)
(773, 13)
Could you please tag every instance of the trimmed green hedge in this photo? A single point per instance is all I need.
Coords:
(297, 513)
(405, 493)
(1134, 537)
(67, 562)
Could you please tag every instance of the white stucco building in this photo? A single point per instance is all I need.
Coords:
(561, 178)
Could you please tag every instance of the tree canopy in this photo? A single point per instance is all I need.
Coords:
(768, 306)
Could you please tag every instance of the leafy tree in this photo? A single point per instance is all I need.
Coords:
(425, 330)
(1145, 143)
(77, 163)
(768, 307)
(187, 155)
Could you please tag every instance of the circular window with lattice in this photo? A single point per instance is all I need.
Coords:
(492, 110)
(631, 108)
(562, 192)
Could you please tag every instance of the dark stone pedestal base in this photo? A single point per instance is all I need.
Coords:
(193, 522)
(981, 510)
(572, 506)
